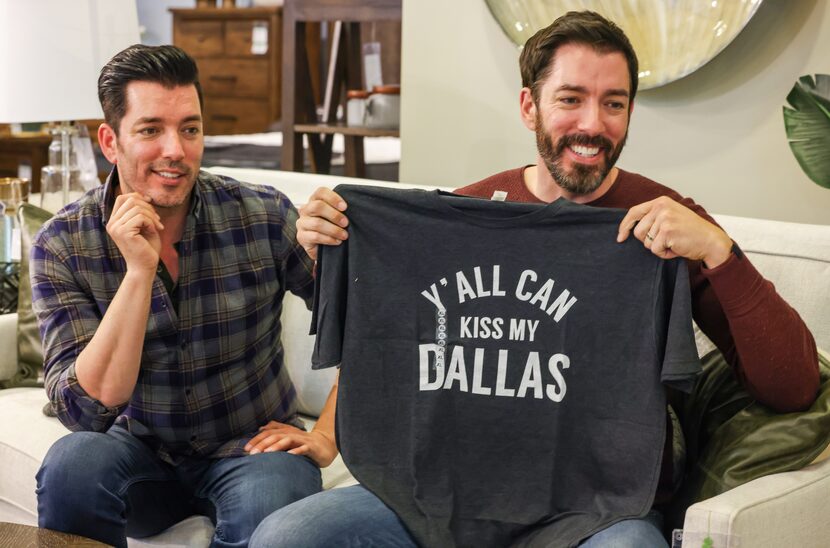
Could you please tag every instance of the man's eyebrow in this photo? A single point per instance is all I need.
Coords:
(147, 120)
(614, 92)
(582, 89)
(156, 120)
(571, 87)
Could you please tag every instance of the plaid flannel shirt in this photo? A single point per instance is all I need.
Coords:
(212, 365)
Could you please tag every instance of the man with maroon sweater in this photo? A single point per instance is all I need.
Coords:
(580, 80)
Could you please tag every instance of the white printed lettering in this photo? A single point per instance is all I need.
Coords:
(531, 378)
(480, 291)
(531, 327)
(543, 294)
(478, 365)
(553, 366)
(520, 293)
(517, 329)
(457, 371)
(424, 350)
(433, 297)
(501, 376)
(496, 291)
(561, 305)
(465, 328)
(465, 290)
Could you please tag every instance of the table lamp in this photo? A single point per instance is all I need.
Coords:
(51, 52)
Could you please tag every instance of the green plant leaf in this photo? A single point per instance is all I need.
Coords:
(807, 122)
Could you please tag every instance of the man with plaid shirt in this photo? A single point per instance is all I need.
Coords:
(159, 297)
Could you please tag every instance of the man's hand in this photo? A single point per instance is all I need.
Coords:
(322, 221)
(276, 436)
(670, 230)
(134, 227)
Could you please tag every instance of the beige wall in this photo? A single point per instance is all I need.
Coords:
(716, 135)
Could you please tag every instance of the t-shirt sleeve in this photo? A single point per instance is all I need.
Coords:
(328, 315)
(676, 340)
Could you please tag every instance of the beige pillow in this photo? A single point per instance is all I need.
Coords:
(30, 353)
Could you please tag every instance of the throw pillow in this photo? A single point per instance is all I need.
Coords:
(30, 353)
(732, 439)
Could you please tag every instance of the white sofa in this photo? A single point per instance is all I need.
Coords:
(779, 510)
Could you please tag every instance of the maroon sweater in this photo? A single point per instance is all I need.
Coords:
(768, 345)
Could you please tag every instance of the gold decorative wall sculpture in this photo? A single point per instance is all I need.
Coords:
(672, 38)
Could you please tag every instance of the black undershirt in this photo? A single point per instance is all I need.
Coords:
(171, 286)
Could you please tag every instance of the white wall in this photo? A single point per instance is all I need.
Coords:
(716, 135)
(157, 21)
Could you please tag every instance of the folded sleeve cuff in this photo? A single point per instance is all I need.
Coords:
(80, 411)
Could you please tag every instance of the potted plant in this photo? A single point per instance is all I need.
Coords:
(807, 122)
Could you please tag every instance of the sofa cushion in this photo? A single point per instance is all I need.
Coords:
(193, 532)
(796, 259)
(25, 437)
(313, 387)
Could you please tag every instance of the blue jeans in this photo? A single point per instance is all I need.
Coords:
(108, 486)
(354, 517)
(631, 533)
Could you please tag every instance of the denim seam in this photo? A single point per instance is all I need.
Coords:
(132, 481)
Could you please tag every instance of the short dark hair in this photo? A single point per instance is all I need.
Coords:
(575, 27)
(167, 65)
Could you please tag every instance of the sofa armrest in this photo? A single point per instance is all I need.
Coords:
(788, 509)
(8, 342)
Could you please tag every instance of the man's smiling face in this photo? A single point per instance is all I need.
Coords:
(582, 115)
(159, 145)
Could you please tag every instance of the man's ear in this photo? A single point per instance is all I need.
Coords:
(107, 140)
(527, 109)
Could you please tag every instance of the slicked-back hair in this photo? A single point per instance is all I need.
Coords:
(166, 65)
(575, 27)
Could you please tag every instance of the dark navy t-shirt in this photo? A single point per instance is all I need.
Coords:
(503, 364)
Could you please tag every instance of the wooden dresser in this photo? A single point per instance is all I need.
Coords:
(239, 55)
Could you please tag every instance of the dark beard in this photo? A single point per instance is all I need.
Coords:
(179, 166)
(582, 179)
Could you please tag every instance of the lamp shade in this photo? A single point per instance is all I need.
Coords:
(51, 52)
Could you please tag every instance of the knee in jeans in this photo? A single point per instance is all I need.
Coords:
(74, 460)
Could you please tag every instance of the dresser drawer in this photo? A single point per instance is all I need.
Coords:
(234, 77)
(239, 37)
(199, 38)
(241, 89)
(226, 116)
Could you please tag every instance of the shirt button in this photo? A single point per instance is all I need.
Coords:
(187, 392)
(192, 438)
(159, 269)
(184, 344)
